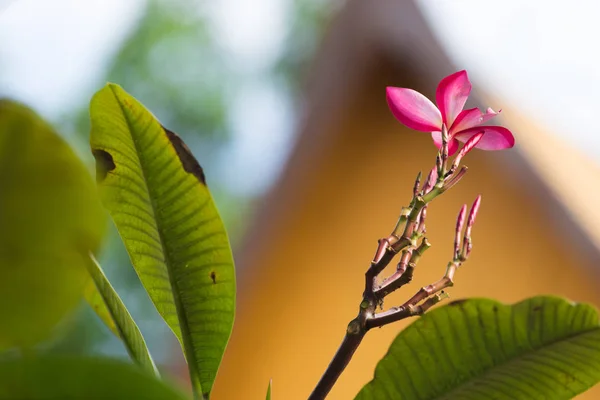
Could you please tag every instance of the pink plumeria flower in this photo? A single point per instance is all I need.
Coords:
(417, 112)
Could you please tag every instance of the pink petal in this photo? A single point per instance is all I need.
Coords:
(451, 95)
(437, 140)
(466, 119)
(494, 137)
(413, 109)
(471, 118)
(489, 114)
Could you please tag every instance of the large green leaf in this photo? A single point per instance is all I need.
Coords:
(157, 195)
(111, 309)
(50, 219)
(80, 378)
(541, 348)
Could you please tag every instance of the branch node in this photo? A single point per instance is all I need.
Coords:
(353, 327)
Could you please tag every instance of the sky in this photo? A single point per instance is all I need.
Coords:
(74, 40)
(539, 55)
(36, 33)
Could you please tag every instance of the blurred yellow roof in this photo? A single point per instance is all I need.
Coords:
(396, 31)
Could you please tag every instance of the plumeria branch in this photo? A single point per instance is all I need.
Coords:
(409, 242)
(449, 125)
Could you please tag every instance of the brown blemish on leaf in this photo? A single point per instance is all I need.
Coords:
(190, 164)
(104, 163)
(213, 276)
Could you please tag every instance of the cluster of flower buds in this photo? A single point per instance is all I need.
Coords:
(449, 124)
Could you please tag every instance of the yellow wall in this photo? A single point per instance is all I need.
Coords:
(303, 276)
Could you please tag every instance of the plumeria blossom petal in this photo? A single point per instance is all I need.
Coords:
(452, 144)
(494, 137)
(417, 112)
(471, 118)
(452, 94)
(489, 114)
(413, 109)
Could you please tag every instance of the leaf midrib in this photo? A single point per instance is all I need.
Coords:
(182, 317)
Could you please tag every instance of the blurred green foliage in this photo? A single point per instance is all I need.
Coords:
(47, 378)
(170, 61)
(308, 24)
(50, 219)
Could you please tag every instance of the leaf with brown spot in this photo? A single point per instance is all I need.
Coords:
(104, 164)
(189, 162)
(157, 196)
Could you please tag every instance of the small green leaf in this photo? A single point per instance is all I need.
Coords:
(112, 310)
(80, 378)
(156, 193)
(95, 300)
(50, 218)
(540, 348)
(269, 390)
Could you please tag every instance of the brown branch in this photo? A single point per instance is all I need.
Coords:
(426, 291)
(404, 271)
(395, 314)
(403, 240)
(354, 336)
(392, 315)
(382, 258)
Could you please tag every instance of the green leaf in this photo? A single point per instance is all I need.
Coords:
(80, 378)
(156, 193)
(95, 300)
(112, 310)
(540, 348)
(269, 390)
(50, 218)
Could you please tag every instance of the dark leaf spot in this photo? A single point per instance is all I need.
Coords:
(495, 309)
(213, 276)
(537, 308)
(104, 163)
(190, 164)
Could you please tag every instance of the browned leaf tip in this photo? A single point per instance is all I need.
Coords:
(104, 163)
(189, 162)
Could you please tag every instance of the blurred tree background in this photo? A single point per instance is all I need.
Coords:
(174, 61)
